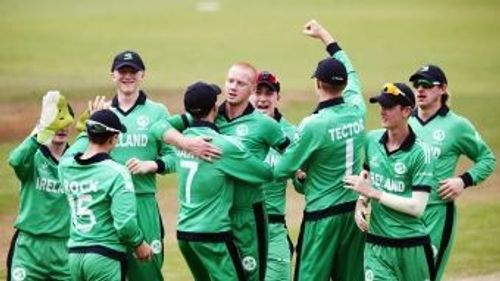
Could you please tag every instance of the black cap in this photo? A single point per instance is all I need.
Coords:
(393, 94)
(268, 79)
(128, 58)
(430, 72)
(200, 97)
(104, 122)
(331, 71)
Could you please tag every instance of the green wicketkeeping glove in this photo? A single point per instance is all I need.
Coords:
(55, 116)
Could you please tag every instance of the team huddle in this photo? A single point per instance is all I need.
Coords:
(379, 205)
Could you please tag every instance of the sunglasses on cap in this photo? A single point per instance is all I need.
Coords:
(99, 128)
(391, 89)
(426, 84)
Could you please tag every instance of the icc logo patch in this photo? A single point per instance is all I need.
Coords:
(142, 122)
(399, 168)
(242, 130)
(127, 56)
(18, 274)
(249, 263)
(438, 135)
(156, 246)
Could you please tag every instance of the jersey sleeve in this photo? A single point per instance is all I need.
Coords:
(353, 91)
(276, 136)
(123, 210)
(78, 146)
(237, 162)
(22, 158)
(166, 154)
(423, 169)
(473, 146)
(304, 143)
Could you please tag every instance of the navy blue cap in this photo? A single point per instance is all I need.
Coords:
(200, 97)
(104, 121)
(269, 79)
(393, 94)
(128, 58)
(331, 71)
(430, 72)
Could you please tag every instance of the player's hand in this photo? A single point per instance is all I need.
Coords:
(98, 103)
(143, 252)
(361, 214)
(202, 148)
(450, 189)
(313, 29)
(362, 185)
(300, 175)
(139, 167)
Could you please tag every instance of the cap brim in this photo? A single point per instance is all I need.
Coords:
(383, 100)
(268, 84)
(216, 89)
(425, 76)
(129, 64)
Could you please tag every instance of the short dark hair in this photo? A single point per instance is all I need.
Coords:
(100, 139)
(331, 88)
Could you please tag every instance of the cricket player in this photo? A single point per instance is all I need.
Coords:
(101, 195)
(280, 249)
(38, 250)
(237, 117)
(143, 154)
(397, 187)
(450, 136)
(327, 146)
(206, 191)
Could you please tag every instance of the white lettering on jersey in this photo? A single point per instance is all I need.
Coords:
(48, 185)
(132, 140)
(75, 187)
(388, 184)
(347, 130)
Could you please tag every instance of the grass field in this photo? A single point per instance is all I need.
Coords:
(68, 45)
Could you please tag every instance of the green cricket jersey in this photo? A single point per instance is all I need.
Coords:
(43, 208)
(275, 191)
(102, 200)
(399, 172)
(449, 136)
(206, 189)
(328, 145)
(139, 141)
(259, 133)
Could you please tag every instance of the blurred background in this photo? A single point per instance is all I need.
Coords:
(69, 46)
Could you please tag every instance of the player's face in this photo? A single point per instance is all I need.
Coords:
(265, 100)
(61, 136)
(428, 96)
(239, 85)
(394, 117)
(127, 80)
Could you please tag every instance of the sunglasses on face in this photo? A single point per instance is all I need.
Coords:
(99, 128)
(426, 84)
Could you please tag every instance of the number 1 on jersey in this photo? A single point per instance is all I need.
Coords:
(349, 156)
(192, 167)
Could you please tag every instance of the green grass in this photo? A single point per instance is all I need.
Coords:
(69, 45)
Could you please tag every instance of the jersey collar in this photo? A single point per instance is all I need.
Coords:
(46, 152)
(141, 100)
(277, 115)
(328, 103)
(222, 111)
(202, 123)
(405, 146)
(441, 112)
(96, 158)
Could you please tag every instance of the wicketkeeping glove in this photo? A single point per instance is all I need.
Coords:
(55, 115)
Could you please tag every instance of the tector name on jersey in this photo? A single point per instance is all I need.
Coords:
(347, 130)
